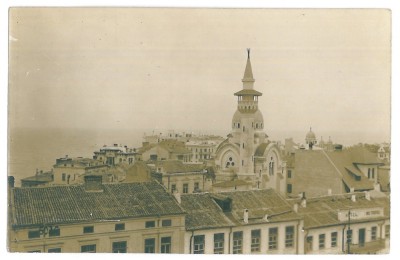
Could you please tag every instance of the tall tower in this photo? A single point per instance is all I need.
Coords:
(247, 122)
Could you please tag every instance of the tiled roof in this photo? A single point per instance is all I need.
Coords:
(176, 166)
(204, 212)
(324, 211)
(72, 204)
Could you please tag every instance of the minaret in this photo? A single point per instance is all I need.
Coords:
(247, 123)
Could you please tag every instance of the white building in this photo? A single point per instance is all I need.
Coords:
(247, 154)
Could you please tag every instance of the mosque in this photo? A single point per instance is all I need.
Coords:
(247, 154)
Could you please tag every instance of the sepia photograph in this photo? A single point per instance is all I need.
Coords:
(199, 130)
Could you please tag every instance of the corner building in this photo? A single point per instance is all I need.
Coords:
(247, 154)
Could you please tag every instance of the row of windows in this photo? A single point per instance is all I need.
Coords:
(90, 229)
(202, 150)
(254, 126)
(349, 237)
(185, 187)
(237, 241)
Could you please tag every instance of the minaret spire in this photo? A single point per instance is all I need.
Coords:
(248, 79)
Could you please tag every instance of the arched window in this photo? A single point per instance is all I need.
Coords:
(271, 167)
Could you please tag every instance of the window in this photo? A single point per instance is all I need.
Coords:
(88, 249)
(373, 233)
(334, 239)
(88, 229)
(255, 240)
(309, 243)
(219, 243)
(55, 232)
(373, 173)
(166, 222)
(289, 236)
(119, 226)
(150, 224)
(321, 241)
(149, 245)
(119, 247)
(63, 177)
(54, 250)
(173, 188)
(349, 235)
(289, 174)
(33, 234)
(237, 242)
(387, 231)
(289, 188)
(271, 167)
(273, 238)
(166, 245)
(198, 244)
(196, 186)
(185, 188)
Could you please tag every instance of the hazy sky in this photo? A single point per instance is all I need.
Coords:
(178, 68)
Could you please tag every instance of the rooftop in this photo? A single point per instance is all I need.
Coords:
(176, 166)
(205, 212)
(324, 211)
(73, 204)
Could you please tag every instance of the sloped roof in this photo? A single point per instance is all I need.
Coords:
(345, 161)
(45, 177)
(324, 211)
(204, 212)
(261, 149)
(173, 146)
(138, 172)
(72, 204)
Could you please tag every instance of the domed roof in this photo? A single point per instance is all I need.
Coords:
(258, 117)
(310, 135)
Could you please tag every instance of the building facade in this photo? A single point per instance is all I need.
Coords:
(95, 217)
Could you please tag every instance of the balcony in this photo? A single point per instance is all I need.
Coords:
(368, 247)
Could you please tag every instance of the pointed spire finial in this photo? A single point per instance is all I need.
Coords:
(248, 53)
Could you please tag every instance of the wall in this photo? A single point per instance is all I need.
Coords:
(72, 238)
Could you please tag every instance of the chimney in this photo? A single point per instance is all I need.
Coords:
(329, 192)
(296, 207)
(93, 183)
(177, 196)
(246, 216)
(351, 189)
(11, 181)
(353, 198)
(377, 187)
(303, 200)
(367, 195)
(265, 218)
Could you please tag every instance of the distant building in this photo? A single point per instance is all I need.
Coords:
(114, 155)
(183, 178)
(384, 153)
(345, 224)
(165, 150)
(247, 154)
(39, 179)
(241, 222)
(71, 170)
(95, 217)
